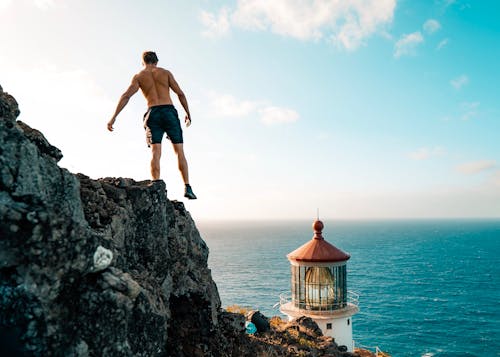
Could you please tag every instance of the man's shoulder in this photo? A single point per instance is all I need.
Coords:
(163, 70)
(140, 74)
(156, 69)
(145, 73)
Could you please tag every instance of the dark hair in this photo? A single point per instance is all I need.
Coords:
(149, 57)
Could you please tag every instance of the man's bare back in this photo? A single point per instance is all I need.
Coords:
(155, 84)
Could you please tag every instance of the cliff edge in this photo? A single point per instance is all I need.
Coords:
(107, 267)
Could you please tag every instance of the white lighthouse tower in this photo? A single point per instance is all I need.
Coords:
(319, 288)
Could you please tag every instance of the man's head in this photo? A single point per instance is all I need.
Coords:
(149, 57)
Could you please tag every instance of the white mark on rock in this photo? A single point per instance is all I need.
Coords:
(102, 258)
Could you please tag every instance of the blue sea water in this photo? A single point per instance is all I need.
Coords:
(427, 288)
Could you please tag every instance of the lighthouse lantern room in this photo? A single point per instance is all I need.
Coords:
(319, 288)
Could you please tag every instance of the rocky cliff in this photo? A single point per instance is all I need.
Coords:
(107, 267)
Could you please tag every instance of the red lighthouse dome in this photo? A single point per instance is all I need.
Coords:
(318, 249)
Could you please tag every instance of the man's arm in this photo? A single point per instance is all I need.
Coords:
(131, 90)
(182, 98)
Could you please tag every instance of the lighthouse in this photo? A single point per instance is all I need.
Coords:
(319, 288)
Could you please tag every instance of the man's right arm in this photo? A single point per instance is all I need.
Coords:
(131, 90)
(180, 94)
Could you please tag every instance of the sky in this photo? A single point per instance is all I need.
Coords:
(363, 109)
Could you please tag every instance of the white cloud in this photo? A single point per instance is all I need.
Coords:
(407, 44)
(228, 106)
(5, 4)
(346, 22)
(215, 26)
(425, 153)
(276, 115)
(469, 110)
(44, 4)
(465, 111)
(77, 93)
(431, 26)
(475, 167)
(495, 178)
(323, 136)
(461, 5)
(41, 4)
(442, 43)
(67, 105)
(460, 81)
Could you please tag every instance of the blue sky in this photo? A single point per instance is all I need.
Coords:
(364, 109)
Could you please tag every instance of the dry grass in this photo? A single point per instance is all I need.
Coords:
(293, 333)
(305, 342)
(236, 309)
(276, 322)
(364, 353)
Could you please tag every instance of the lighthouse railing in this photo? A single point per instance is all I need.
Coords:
(352, 299)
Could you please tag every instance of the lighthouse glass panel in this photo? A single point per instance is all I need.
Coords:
(319, 288)
(320, 293)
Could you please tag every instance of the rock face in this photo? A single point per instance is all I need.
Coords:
(107, 267)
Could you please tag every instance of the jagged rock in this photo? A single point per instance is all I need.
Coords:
(9, 110)
(107, 267)
(306, 325)
(37, 138)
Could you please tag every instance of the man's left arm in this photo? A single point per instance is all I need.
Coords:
(131, 90)
(180, 94)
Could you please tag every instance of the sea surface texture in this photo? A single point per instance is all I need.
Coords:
(427, 288)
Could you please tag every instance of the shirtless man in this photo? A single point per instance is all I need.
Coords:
(155, 83)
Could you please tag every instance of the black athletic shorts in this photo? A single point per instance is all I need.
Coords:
(162, 119)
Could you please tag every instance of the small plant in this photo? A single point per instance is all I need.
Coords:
(276, 322)
(293, 333)
(305, 342)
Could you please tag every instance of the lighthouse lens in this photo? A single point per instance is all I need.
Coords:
(319, 288)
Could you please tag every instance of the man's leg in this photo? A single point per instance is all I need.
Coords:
(183, 168)
(183, 165)
(155, 161)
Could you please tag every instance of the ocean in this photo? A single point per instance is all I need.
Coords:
(427, 288)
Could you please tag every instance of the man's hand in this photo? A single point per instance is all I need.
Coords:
(187, 120)
(110, 124)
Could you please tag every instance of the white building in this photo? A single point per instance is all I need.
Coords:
(319, 288)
